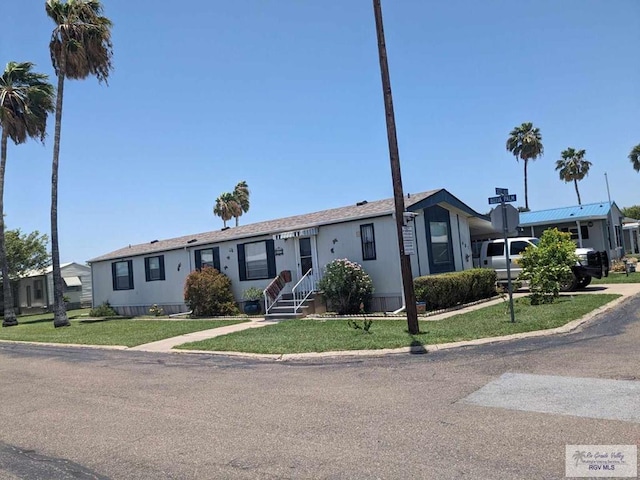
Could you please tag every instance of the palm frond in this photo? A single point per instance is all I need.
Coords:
(634, 157)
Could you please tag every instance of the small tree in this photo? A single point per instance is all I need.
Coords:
(346, 286)
(208, 293)
(632, 212)
(548, 266)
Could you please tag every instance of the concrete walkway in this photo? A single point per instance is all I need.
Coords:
(168, 344)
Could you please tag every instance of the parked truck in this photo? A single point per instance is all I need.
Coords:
(590, 264)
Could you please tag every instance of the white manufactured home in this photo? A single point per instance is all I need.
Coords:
(294, 251)
(35, 291)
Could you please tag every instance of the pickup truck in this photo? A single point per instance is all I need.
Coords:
(591, 263)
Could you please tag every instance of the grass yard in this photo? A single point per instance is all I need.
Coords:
(129, 333)
(299, 336)
(617, 278)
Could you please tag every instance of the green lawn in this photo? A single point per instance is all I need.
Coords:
(618, 278)
(298, 336)
(39, 328)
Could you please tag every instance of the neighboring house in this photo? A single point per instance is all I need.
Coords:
(35, 291)
(595, 225)
(631, 235)
(135, 277)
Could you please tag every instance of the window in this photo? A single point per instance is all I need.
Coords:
(495, 249)
(618, 236)
(517, 247)
(256, 260)
(439, 242)
(154, 268)
(368, 239)
(584, 232)
(209, 257)
(122, 273)
(37, 287)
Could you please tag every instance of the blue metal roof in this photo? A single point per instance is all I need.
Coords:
(565, 214)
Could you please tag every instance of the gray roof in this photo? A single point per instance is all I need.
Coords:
(270, 227)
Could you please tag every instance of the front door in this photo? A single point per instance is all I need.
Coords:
(305, 259)
(439, 243)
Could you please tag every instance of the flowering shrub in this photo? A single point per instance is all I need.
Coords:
(156, 310)
(346, 285)
(208, 293)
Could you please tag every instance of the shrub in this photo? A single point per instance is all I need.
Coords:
(103, 310)
(156, 310)
(548, 266)
(252, 294)
(346, 286)
(456, 288)
(208, 293)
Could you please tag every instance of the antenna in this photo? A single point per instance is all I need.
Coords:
(606, 179)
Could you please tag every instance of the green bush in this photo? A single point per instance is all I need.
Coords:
(103, 310)
(450, 289)
(156, 310)
(548, 266)
(346, 286)
(208, 293)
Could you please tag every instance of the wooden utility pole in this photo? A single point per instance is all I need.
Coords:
(394, 156)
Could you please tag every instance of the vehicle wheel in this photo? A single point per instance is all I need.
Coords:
(570, 285)
(584, 282)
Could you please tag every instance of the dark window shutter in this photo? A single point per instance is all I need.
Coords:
(216, 258)
(271, 258)
(130, 265)
(198, 260)
(147, 272)
(113, 275)
(242, 268)
(161, 257)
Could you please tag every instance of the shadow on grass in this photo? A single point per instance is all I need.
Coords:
(105, 319)
(417, 347)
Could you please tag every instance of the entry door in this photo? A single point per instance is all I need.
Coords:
(305, 259)
(28, 295)
(439, 242)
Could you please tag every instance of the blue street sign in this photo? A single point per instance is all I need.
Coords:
(502, 191)
(502, 198)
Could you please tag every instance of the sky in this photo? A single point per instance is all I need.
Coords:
(286, 95)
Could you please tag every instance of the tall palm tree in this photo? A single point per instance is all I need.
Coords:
(573, 167)
(634, 156)
(241, 195)
(26, 99)
(80, 46)
(226, 207)
(525, 143)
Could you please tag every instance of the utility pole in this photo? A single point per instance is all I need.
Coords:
(394, 157)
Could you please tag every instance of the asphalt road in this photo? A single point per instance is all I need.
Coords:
(82, 413)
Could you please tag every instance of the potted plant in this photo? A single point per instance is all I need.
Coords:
(252, 300)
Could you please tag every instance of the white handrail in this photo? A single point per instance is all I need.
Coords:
(303, 289)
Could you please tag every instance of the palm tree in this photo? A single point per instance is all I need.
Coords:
(226, 207)
(241, 195)
(525, 143)
(573, 167)
(634, 156)
(80, 46)
(26, 99)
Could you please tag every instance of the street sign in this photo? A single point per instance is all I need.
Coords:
(502, 198)
(502, 191)
(497, 218)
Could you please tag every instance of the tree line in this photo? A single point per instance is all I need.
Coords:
(80, 46)
(525, 143)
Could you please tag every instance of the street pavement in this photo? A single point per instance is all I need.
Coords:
(111, 414)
